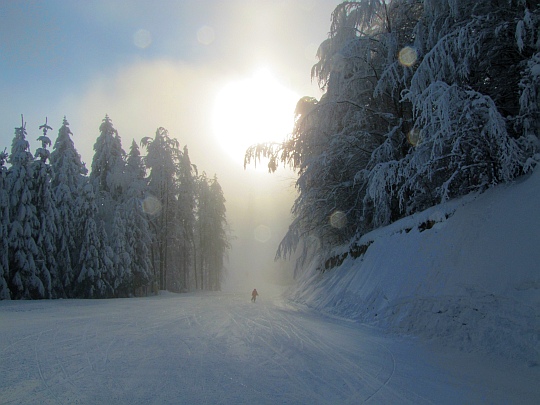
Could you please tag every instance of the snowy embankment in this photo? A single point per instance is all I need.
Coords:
(465, 274)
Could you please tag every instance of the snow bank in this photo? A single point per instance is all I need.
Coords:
(465, 274)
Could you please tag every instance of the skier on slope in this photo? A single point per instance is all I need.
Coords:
(254, 295)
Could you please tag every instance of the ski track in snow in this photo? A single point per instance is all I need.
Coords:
(210, 348)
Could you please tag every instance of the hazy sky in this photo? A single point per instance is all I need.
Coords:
(218, 74)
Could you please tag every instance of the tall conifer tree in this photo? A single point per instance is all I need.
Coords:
(94, 259)
(23, 252)
(187, 190)
(122, 281)
(4, 226)
(161, 160)
(138, 234)
(107, 174)
(68, 177)
(47, 213)
(219, 237)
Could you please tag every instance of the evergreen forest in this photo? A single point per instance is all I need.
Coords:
(134, 224)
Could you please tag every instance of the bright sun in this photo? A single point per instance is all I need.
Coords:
(253, 110)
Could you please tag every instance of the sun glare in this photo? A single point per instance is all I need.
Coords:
(253, 110)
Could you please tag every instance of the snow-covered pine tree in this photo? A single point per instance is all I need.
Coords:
(161, 160)
(121, 276)
(135, 170)
(187, 190)
(108, 172)
(139, 244)
(24, 281)
(68, 177)
(95, 259)
(108, 164)
(138, 235)
(203, 232)
(106, 255)
(212, 234)
(220, 240)
(108, 177)
(47, 232)
(4, 226)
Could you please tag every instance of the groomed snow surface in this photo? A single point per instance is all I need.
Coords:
(217, 348)
(445, 314)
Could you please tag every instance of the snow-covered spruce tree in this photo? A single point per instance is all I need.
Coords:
(203, 231)
(138, 235)
(161, 161)
(107, 260)
(108, 163)
(95, 264)
(108, 172)
(68, 176)
(187, 190)
(219, 241)
(4, 226)
(138, 244)
(24, 282)
(121, 278)
(212, 234)
(108, 177)
(135, 170)
(47, 232)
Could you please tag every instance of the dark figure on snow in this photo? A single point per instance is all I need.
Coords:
(254, 295)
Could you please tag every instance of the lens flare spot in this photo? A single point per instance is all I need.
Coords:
(338, 219)
(142, 38)
(206, 35)
(407, 56)
(413, 137)
(151, 205)
(262, 233)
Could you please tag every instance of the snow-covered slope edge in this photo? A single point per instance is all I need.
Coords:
(472, 281)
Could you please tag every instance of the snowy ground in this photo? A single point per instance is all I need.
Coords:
(470, 281)
(218, 348)
(453, 309)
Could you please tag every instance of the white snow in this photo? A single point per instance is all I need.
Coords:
(471, 282)
(217, 348)
(449, 315)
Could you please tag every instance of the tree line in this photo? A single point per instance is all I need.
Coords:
(133, 223)
(423, 101)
